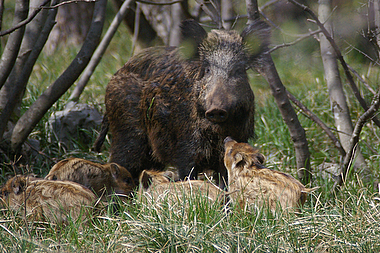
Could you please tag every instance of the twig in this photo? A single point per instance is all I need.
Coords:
(155, 3)
(339, 56)
(362, 80)
(208, 12)
(295, 41)
(39, 152)
(355, 135)
(319, 122)
(68, 2)
(35, 12)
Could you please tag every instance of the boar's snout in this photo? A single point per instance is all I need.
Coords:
(217, 115)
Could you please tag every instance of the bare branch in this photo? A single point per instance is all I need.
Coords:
(26, 21)
(295, 41)
(35, 12)
(356, 134)
(215, 18)
(155, 3)
(95, 59)
(362, 80)
(319, 122)
(68, 2)
(339, 56)
(37, 110)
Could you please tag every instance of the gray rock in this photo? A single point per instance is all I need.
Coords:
(74, 123)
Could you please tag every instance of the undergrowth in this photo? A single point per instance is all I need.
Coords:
(343, 221)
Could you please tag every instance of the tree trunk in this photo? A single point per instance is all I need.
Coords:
(268, 70)
(32, 32)
(338, 101)
(38, 109)
(73, 22)
(227, 10)
(17, 82)
(8, 58)
(147, 36)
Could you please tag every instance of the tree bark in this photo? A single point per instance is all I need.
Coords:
(356, 134)
(17, 88)
(95, 59)
(12, 47)
(73, 22)
(297, 133)
(147, 36)
(37, 110)
(338, 101)
(227, 10)
(32, 32)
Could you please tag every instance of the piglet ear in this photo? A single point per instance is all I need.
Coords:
(145, 180)
(256, 35)
(18, 184)
(115, 170)
(239, 160)
(192, 36)
(260, 158)
(172, 176)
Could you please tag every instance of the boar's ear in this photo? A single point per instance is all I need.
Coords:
(145, 180)
(192, 36)
(257, 37)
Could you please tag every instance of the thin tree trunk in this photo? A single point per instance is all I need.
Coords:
(227, 10)
(32, 32)
(268, 70)
(98, 54)
(21, 81)
(338, 101)
(38, 109)
(1, 14)
(11, 50)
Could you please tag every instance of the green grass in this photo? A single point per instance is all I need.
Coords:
(347, 221)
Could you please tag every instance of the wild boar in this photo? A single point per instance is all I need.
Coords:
(103, 179)
(48, 200)
(171, 106)
(251, 183)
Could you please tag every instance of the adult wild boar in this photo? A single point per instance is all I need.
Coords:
(174, 106)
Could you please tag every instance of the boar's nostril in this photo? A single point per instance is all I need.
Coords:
(217, 115)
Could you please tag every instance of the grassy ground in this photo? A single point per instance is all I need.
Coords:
(347, 221)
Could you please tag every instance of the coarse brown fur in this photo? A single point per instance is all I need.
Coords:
(103, 179)
(250, 183)
(157, 187)
(45, 199)
(165, 109)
